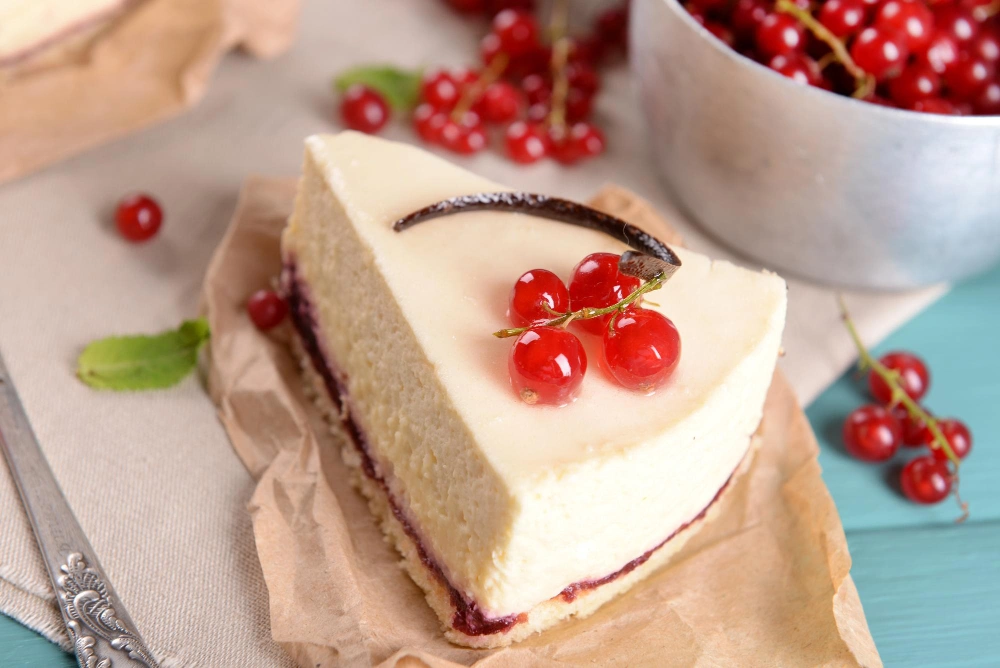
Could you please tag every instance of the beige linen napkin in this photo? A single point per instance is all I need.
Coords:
(152, 477)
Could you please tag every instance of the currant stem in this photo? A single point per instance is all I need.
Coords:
(864, 82)
(560, 56)
(588, 312)
(472, 94)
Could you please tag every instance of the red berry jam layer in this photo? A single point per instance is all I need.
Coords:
(468, 617)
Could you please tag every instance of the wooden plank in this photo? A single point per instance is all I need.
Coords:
(931, 595)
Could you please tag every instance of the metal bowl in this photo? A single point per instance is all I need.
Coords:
(812, 183)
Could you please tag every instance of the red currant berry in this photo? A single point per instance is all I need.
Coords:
(721, 32)
(501, 103)
(911, 19)
(642, 350)
(941, 53)
(583, 78)
(936, 105)
(589, 50)
(797, 67)
(916, 83)
(925, 480)
(779, 34)
(466, 136)
(880, 53)
(968, 76)
(363, 109)
(464, 77)
(535, 61)
(517, 30)
(914, 429)
(138, 217)
(956, 433)
(914, 377)
(581, 142)
(578, 105)
(746, 18)
(266, 309)
(535, 290)
(440, 90)
(547, 365)
(987, 103)
(843, 17)
(872, 434)
(536, 88)
(987, 44)
(611, 26)
(526, 142)
(956, 22)
(597, 283)
(489, 48)
(428, 122)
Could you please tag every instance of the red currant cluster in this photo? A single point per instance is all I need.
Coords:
(547, 362)
(936, 56)
(875, 432)
(541, 94)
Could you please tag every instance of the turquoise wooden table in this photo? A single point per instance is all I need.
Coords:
(930, 588)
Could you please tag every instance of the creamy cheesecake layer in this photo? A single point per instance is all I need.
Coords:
(30, 26)
(515, 503)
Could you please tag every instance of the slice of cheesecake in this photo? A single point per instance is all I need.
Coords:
(509, 516)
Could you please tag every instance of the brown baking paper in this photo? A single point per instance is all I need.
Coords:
(764, 584)
(152, 62)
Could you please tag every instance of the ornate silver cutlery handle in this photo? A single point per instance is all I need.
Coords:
(103, 635)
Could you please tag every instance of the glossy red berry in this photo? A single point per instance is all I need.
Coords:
(987, 103)
(956, 433)
(914, 377)
(779, 34)
(266, 309)
(936, 105)
(911, 19)
(746, 18)
(843, 17)
(797, 67)
(583, 78)
(721, 32)
(925, 480)
(597, 283)
(138, 217)
(500, 103)
(941, 53)
(956, 22)
(428, 122)
(871, 433)
(642, 350)
(363, 109)
(465, 136)
(526, 142)
(581, 141)
(535, 290)
(916, 83)
(547, 365)
(611, 26)
(987, 44)
(880, 53)
(517, 31)
(969, 76)
(440, 90)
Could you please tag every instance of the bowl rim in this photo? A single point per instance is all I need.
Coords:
(849, 103)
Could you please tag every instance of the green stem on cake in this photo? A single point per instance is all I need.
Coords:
(901, 398)
(587, 312)
(864, 82)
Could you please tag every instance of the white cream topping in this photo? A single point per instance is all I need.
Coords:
(25, 24)
(516, 501)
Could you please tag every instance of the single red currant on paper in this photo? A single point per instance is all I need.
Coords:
(138, 217)
(266, 309)
(597, 283)
(363, 109)
(872, 434)
(914, 377)
(642, 349)
(547, 365)
(535, 290)
(958, 436)
(925, 480)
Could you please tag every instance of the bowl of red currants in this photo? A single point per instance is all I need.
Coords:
(852, 142)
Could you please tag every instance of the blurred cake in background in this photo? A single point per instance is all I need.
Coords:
(41, 33)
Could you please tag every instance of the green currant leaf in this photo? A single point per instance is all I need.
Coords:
(400, 88)
(143, 362)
